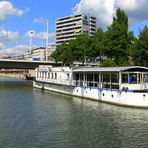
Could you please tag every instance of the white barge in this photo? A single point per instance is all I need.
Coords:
(126, 86)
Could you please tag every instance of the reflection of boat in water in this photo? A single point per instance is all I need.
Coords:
(127, 86)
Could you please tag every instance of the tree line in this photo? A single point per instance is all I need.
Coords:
(116, 46)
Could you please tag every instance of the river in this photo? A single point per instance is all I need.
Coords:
(33, 118)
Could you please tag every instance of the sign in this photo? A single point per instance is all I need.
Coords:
(86, 20)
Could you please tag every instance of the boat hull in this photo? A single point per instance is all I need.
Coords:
(122, 98)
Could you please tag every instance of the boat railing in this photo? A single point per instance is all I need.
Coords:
(133, 86)
(56, 81)
(95, 84)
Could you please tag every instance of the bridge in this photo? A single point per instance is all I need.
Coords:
(24, 64)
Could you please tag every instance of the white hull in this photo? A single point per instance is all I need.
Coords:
(122, 98)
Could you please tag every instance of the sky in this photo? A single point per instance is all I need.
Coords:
(19, 17)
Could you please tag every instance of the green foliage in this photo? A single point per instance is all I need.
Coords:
(108, 63)
(140, 53)
(99, 42)
(118, 35)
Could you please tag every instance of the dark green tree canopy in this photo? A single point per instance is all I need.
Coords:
(140, 53)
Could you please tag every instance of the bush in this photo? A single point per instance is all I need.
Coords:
(108, 63)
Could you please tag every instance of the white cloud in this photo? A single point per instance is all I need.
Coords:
(127, 4)
(104, 10)
(21, 49)
(1, 45)
(8, 35)
(40, 35)
(40, 20)
(101, 9)
(7, 51)
(7, 8)
(18, 50)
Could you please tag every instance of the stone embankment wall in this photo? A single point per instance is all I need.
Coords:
(14, 73)
(17, 73)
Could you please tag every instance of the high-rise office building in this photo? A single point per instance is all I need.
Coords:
(68, 28)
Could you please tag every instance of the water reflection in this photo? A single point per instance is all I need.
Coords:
(31, 117)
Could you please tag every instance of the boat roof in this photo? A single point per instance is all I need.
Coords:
(111, 69)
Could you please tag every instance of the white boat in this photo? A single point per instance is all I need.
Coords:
(126, 86)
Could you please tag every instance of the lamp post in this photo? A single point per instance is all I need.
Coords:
(30, 42)
(46, 52)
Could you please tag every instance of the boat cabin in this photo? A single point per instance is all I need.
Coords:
(59, 75)
(121, 78)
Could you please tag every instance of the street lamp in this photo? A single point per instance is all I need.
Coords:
(44, 21)
(46, 52)
(30, 35)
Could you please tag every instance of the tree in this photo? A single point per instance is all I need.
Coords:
(76, 49)
(117, 35)
(140, 53)
(63, 54)
(108, 63)
(98, 46)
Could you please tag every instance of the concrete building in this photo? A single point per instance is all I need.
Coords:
(51, 49)
(39, 53)
(68, 28)
(36, 53)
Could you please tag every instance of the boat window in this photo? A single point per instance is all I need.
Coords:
(81, 77)
(145, 78)
(115, 78)
(89, 80)
(77, 76)
(132, 78)
(89, 77)
(114, 81)
(106, 77)
(55, 75)
(106, 80)
(96, 77)
(77, 79)
(124, 78)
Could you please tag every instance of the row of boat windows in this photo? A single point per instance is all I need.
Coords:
(95, 80)
(48, 75)
(107, 80)
(132, 78)
(97, 77)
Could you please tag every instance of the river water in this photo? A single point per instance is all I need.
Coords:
(33, 118)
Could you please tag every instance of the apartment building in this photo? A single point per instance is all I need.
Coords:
(68, 28)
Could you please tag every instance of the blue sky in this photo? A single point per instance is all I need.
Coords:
(17, 18)
(47, 9)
